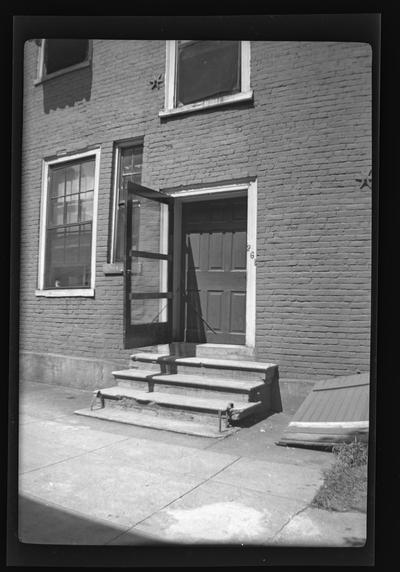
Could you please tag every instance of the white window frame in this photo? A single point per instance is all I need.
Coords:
(66, 292)
(170, 108)
(41, 74)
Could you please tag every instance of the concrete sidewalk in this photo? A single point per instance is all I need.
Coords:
(88, 481)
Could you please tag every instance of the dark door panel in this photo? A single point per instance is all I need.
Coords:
(215, 268)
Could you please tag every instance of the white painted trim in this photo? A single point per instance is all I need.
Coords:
(94, 224)
(245, 67)
(89, 292)
(233, 189)
(251, 264)
(42, 77)
(206, 104)
(40, 68)
(62, 293)
(170, 108)
(210, 191)
(42, 229)
(331, 424)
(170, 72)
(115, 198)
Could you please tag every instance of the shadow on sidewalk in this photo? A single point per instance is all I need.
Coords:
(40, 523)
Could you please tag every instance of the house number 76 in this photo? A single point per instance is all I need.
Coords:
(252, 255)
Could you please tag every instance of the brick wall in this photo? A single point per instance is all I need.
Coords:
(306, 139)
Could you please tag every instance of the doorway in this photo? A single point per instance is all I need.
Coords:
(214, 238)
(191, 274)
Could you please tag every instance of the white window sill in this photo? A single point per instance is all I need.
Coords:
(62, 72)
(63, 293)
(225, 100)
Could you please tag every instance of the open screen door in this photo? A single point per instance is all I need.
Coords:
(148, 261)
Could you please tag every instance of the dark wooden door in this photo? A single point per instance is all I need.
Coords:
(215, 235)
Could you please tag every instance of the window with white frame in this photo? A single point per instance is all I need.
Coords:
(59, 56)
(67, 249)
(206, 73)
(128, 168)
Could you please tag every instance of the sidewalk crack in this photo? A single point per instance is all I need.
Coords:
(176, 499)
(289, 519)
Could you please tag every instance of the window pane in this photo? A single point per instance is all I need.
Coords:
(119, 242)
(87, 176)
(150, 217)
(56, 215)
(146, 275)
(61, 54)
(86, 206)
(57, 184)
(72, 179)
(126, 160)
(131, 160)
(72, 246)
(149, 311)
(207, 69)
(85, 244)
(54, 257)
(71, 211)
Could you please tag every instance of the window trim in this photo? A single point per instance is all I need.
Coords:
(66, 292)
(135, 142)
(42, 76)
(245, 94)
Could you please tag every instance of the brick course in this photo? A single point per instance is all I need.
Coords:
(306, 139)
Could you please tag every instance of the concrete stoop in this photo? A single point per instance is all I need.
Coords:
(197, 395)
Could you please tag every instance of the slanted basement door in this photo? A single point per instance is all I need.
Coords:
(148, 261)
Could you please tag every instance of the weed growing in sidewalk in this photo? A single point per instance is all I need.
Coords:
(345, 483)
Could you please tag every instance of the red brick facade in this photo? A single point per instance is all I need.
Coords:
(306, 139)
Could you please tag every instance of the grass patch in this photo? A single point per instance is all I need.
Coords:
(345, 483)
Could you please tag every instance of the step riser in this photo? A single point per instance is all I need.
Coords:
(219, 351)
(230, 396)
(224, 373)
(209, 418)
(230, 353)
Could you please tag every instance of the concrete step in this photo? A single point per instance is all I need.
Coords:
(197, 385)
(153, 420)
(215, 407)
(220, 351)
(223, 351)
(227, 368)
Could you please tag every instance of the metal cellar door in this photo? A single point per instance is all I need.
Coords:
(148, 261)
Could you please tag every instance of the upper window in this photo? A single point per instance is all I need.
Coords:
(206, 69)
(129, 159)
(67, 225)
(206, 73)
(60, 56)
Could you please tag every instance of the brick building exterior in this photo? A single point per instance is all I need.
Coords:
(300, 141)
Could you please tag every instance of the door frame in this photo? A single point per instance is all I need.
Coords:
(248, 189)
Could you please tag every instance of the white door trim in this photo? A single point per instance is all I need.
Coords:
(251, 264)
(250, 190)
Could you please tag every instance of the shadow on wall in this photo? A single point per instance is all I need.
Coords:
(195, 331)
(67, 90)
